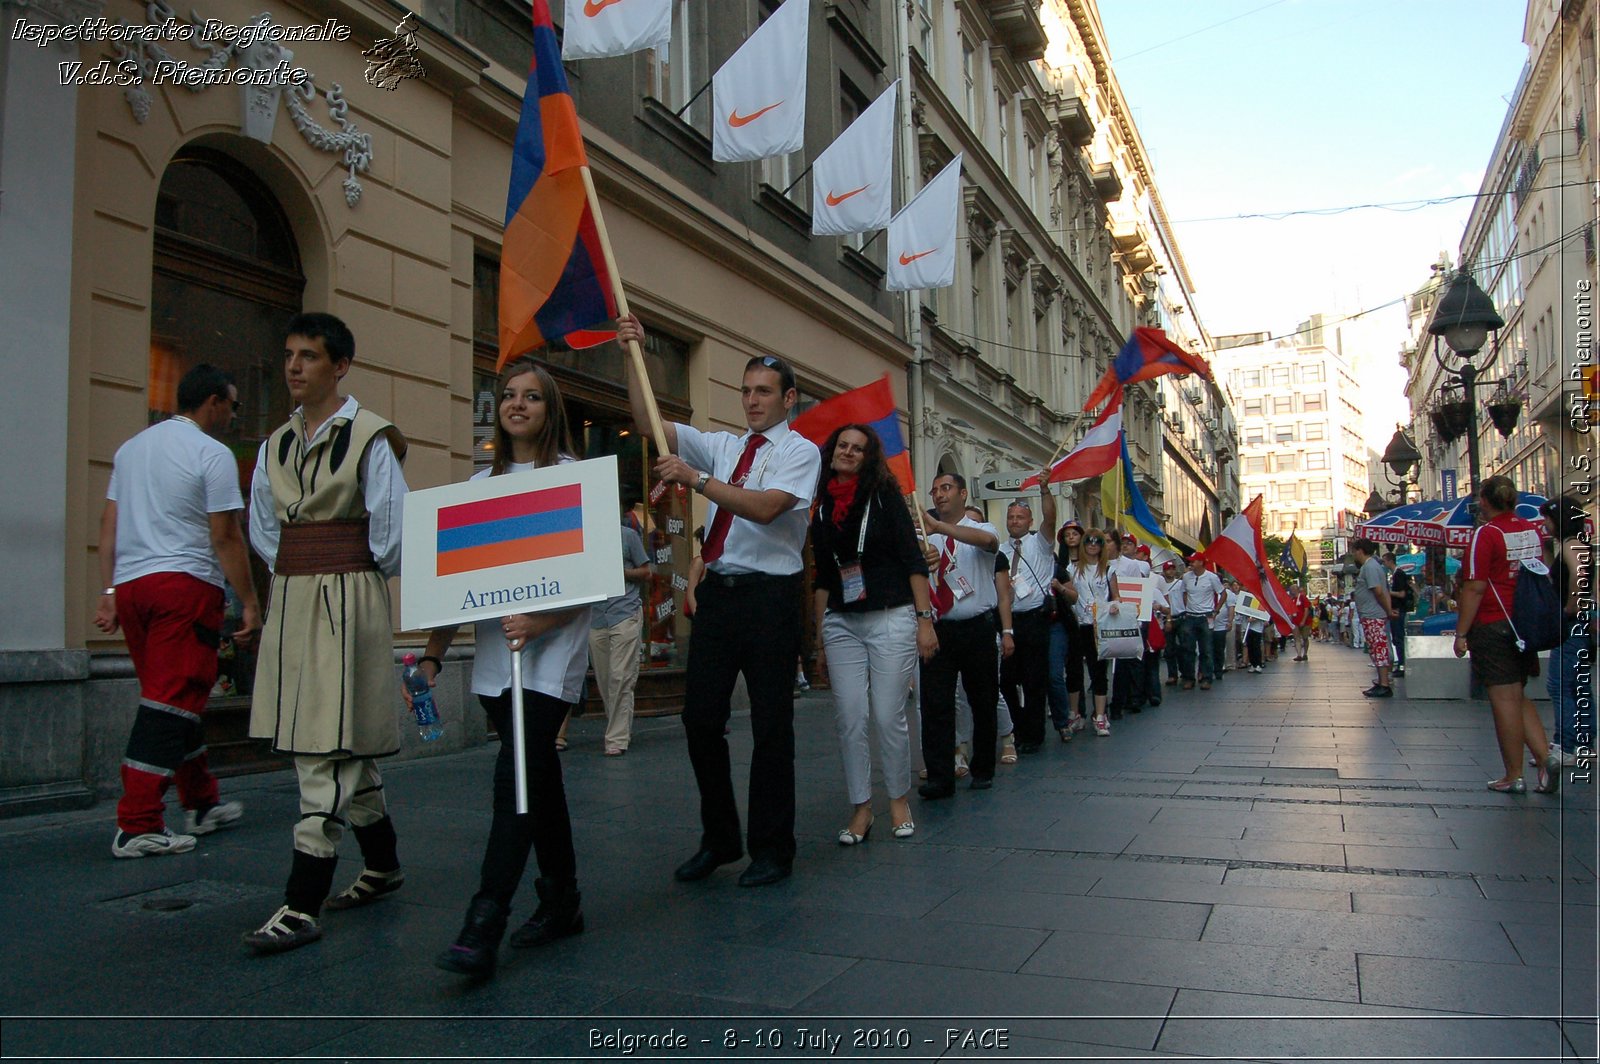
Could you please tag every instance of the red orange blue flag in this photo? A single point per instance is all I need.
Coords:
(553, 277)
(1148, 353)
(871, 405)
(529, 526)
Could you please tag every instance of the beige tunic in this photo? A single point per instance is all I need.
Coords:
(325, 679)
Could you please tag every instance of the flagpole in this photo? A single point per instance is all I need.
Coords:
(657, 431)
(519, 734)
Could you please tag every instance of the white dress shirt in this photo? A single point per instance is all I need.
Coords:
(974, 563)
(1032, 572)
(384, 495)
(789, 462)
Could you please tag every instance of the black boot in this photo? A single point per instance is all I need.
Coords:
(475, 947)
(559, 914)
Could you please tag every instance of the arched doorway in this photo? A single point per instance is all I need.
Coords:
(226, 280)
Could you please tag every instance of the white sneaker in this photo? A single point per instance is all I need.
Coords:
(221, 815)
(153, 844)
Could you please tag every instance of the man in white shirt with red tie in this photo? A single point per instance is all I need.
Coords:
(748, 613)
(1025, 674)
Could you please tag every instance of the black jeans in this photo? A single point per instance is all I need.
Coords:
(966, 652)
(1129, 687)
(1025, 675)
(752, 627)
(1252, 645)
(1080, 652)
(545, 829)
(1397, 638)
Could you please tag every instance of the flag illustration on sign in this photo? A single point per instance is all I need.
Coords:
(1148, 353)
(922, 237)
(851, 180)
(598, 28)
(553, 277)
(759, 94)
(531, 526)
(871, 405)
(1099, 450)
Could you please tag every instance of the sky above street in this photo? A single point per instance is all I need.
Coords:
(1265, 107)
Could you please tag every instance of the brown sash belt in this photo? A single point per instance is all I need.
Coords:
(307, 548)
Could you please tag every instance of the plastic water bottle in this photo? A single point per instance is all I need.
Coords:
(422, 703)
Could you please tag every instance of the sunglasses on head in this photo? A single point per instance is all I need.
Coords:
(1094, 539)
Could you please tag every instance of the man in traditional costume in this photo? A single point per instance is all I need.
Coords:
(325, 515)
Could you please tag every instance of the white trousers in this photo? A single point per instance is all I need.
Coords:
(871, 659)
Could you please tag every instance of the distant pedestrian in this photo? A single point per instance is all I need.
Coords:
(616, 627)
(1374, 610)
(169, 536)
(1403, 598)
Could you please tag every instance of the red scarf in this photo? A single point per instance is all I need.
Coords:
(843, 493)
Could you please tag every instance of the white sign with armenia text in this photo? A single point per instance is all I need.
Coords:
(520, 543)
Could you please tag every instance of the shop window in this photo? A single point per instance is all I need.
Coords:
(225, 283)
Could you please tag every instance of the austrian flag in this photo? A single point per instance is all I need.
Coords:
(531, 526)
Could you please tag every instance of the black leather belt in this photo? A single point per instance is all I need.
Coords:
(987, 617)
(732, 580)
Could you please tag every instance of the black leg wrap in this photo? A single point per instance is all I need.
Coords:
(377, 842)
(310, 880)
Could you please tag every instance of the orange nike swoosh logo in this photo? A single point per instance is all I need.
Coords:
(591, 8)
(735, 119)
(834, 201)
(907, 260)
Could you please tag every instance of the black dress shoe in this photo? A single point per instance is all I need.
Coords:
(702, 864)
(1029, 748)
(763, 871)
(981, 783)
(934, 791)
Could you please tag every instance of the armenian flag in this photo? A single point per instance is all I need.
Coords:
(553, 277)
(1148, 353)
(530, 526)
(871, 405)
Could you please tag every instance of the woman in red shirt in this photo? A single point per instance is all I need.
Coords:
(1483, 628)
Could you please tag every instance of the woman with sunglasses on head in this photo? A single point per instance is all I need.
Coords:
(1090, 590)
(1066, 673)
(875, 616)
(531, 432)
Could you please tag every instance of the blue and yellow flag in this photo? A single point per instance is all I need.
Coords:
(1293, 556)
(1125, 508)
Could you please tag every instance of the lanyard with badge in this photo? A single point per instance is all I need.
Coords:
(852, 584)
(960, 586)
(1020, 586)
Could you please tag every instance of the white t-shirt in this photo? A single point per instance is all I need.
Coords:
(788, 462)
(553, 664)
(1199, 594)
(1225, 614)
(1093, 589)
(166, 482)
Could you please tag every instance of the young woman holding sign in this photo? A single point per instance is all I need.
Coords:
(530, 433)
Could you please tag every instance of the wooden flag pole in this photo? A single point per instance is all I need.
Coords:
(658, 431)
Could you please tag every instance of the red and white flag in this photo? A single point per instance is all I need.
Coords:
(922, 237)
(1097, 453)
(598, 28)
(851, 180)
(1239, 551)
(759, 94)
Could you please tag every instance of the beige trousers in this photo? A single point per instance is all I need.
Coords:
(615, 654)
(333, 790)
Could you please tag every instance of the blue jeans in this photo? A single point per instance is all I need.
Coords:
(1571, 688)
(1194, 632)
(1057, 692)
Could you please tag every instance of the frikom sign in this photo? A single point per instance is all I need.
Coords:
(518, 543)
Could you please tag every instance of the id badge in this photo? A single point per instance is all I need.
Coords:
(853, 588)
(961, 588)
(1020, 587)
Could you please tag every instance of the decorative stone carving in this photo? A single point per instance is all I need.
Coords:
(260, 102)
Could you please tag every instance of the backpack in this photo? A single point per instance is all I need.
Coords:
(1535, 612)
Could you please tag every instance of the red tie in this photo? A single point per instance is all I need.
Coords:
(720, 523)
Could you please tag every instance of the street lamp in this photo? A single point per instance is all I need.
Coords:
(1464, 317)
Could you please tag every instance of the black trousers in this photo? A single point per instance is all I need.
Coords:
(966, 652)
(1025, 675)
(546, 829)
(1082, 651)
(752, 627)
(1129, 687)
(1252, 645)
(1397, 638)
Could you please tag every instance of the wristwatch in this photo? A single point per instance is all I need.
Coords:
(700, 483)
(926, 615)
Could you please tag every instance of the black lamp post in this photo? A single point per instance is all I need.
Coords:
(1401, 456)
(1464, 317)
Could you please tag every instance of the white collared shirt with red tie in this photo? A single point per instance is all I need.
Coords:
(788, 462)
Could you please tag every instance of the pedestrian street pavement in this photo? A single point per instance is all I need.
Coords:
(1277, 869)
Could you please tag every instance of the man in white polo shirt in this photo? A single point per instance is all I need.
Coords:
(1199, 597)
(169, 535)
(748, 613)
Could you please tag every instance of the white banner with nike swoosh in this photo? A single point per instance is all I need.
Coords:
(759, 94)
(922, 237)
(851, 180)
(598, 28)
